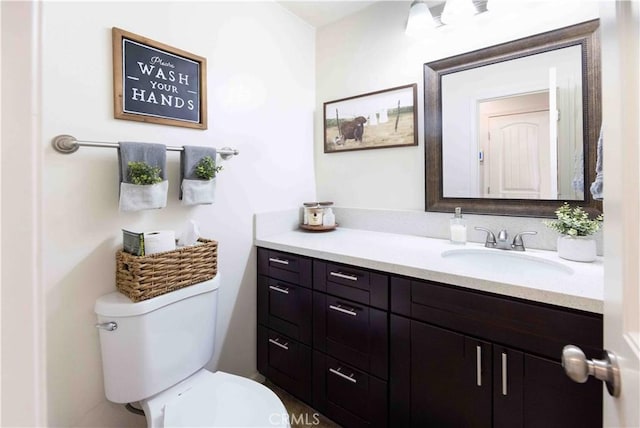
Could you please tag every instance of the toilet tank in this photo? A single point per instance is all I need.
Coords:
(157, 342)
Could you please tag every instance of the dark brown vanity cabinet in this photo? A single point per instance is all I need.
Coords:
(368, 349)
(465, 358)
(284, 321)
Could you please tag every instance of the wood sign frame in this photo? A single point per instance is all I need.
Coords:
(157, 83)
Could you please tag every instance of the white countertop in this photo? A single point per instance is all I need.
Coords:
(580, 287)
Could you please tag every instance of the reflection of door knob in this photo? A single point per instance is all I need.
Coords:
(578, 368)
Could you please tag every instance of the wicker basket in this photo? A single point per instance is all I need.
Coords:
(144, 277)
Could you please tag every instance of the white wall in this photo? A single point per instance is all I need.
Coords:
(23, 399)
(368, 52)
(261, 99)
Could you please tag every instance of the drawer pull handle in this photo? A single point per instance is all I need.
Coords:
(479, 365)
(339, 308)
(282, 345)
(342, 375)
(504, 374)
(279, 290)
(344, 276)
(275, 260)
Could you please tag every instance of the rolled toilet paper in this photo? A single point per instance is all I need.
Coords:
(159, 241)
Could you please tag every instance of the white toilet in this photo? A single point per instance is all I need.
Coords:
(154, 352)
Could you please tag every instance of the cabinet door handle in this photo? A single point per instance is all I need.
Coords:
(479, 365)
(344, 276)
(342, 375)
(504, 374)
(339, 308)
(276, 260)
(279, 290)
(282, 345)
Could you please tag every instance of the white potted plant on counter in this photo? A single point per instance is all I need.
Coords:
(575, 227)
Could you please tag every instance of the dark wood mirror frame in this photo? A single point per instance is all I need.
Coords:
(585, 34)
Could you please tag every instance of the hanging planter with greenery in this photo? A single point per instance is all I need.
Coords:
(206, 168)
(144, 189)
(141, 173)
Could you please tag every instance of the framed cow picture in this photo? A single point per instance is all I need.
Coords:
(375, 120)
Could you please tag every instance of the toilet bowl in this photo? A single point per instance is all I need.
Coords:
(154, 352)
(215, 400)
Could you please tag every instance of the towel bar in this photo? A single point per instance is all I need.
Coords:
(68, 144)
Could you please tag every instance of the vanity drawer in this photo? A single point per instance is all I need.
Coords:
(359, 285)
(285, 266)
(285, 307)
(351, 332)
(285, 362)
(535, 327)
(347, 395)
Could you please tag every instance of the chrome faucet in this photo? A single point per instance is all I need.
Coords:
(502, 243)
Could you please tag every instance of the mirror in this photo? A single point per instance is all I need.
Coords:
(512, 129)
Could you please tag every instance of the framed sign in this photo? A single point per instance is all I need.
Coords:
(156, 83)
(375, 120)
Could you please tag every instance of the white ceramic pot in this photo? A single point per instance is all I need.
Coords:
(578, 249)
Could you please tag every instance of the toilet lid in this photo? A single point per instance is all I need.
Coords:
(223, 400)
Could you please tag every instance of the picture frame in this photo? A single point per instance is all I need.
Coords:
(157, 83)
(375, 120)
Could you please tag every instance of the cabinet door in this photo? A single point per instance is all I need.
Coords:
(348, 282)
(350, 397)
(551, 399)
(291, 268)
(447, 381)
(508, 372)
(285, 307)
(351, 332)
(285, 362)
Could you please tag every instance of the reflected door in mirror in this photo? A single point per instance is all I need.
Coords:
(517, 164)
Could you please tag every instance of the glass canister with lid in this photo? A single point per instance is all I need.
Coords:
(308, 206)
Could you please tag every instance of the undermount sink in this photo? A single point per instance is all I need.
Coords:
(506, 263)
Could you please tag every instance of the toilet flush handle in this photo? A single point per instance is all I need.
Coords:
(109, 326)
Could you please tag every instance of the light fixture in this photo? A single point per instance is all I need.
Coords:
(457, 11)
(420, 20)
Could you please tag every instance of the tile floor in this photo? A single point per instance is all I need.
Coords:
(300, 414)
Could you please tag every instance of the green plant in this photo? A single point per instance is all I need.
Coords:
(143, 173)
(574, 221)
(206, 168)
